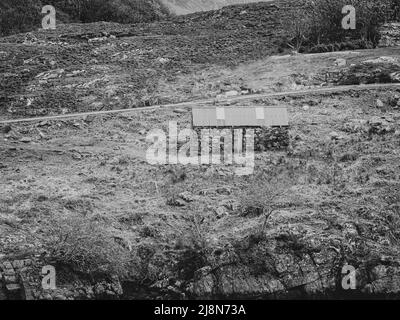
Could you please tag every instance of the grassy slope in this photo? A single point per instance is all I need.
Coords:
(342, 196)
(340, 203)
(190, 6)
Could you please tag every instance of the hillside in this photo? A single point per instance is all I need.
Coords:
(190, 6)
(191, 231)
(78, 193)
(25, 15)
(186, 43)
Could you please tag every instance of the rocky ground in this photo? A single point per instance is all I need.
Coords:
(79, 194)
(107, 65)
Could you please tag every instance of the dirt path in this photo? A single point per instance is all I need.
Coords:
(250, 97)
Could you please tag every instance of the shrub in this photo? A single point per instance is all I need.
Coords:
(195, 251)
(319, 24)
(85, 246)
(261, 194)
(297, 26)
(19, 16)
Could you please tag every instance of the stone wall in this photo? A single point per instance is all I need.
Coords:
(22, 280)
(13, 284)
(265, 138)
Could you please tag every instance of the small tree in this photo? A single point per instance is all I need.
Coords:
(298, 27)
(261, 195)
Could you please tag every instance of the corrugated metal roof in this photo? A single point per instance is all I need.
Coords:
(240, 116)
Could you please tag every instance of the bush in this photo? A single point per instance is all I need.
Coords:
(319, 24)
(85, 246)
(195, 250)
(260, 195)
(25, 15)
(19, 16)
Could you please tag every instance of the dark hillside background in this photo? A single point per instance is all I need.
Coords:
(303, 25)
(25, 15)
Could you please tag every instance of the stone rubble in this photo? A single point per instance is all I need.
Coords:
(390, 35)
